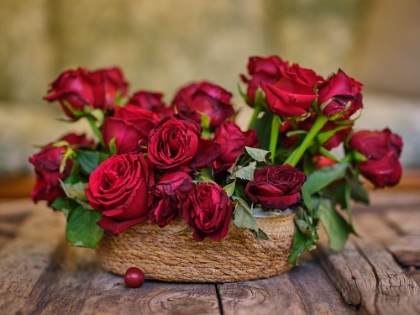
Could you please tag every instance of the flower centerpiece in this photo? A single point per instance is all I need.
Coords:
(180, 191)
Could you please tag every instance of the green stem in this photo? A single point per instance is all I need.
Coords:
(294, 158)
(328, 154)
(275, 128)
(347, 158)
(95, 129)
(257, 111)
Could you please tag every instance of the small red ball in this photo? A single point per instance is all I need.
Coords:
(134, 277)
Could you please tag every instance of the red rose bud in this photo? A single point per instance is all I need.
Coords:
(171, 191)
(130, 127)
(340, 94)
(262, 70)
(382, 150)
(293, 94)
(80, 88)
(206, 98)
(147, 100)
(47, 164)
(177, 141)
(276, 187)
(120, 189)
(208, 210)
(232, 143)
(321, 161)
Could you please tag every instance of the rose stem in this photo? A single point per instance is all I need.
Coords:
(275, 128)
(257, 111)
(294, 158)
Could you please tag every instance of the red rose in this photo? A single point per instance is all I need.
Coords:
(338, 91)
(130, 126)
(80, 88)
(262, 69)
(47, 168)
(276, 186)
(120, 189)
(177, 141)
(112, 85)
(148, 100)
(208, 210)
(207, 98)
(293, 94)
(383, 150)
(232, 142)
(171, 192)
(336, 139)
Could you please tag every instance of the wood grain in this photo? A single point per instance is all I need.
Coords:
(303, 290)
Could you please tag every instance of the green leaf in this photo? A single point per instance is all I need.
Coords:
(323, 137)
(90, 160)
(75, 190)
(358, 157)
(258, 155)
(242, 216)
(263, 128)
(65, 205)
(358, 191)
(342, 194)
(336, 227)
(205, 123)
(82, 230)
(321, 178)
(261, 235)
(307, 199)
(98, 114)
(246, 173)
(230, 188)
(243, 95)
(301, 243)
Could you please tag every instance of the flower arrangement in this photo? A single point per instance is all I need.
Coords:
(156, 162)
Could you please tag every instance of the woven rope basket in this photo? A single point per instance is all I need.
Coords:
(172, 254)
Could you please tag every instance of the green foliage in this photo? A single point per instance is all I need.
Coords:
(230, 188)
(263, 128)
(245, 173)
(321, 178)
(243, 217)
(258, 155)
(90, 160)
(81, 229)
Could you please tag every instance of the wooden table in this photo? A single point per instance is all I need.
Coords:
(377, 273)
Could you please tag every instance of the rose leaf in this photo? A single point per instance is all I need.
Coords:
(321, 178)
(358, 191)
(81, 229)
(90, 160)
(242, 216)
(258, 154)
(230, 188)
(245, 173)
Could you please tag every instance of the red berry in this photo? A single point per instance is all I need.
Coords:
(134, 277)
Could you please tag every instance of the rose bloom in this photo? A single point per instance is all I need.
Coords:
(151, 101)
(171, 192)
(293, 94)
(47, 167)
(276, 187)
(80, 88)
(232, 143)
(130, 127)
(207, 98)
(120, 188)
(383, 150)
(177, 142)
(262, 69)
(339, 90)
(208, 210)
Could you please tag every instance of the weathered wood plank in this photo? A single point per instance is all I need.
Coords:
(368, 278)
(24, 259)
(303, 290)
(74, 284)
(407, 221)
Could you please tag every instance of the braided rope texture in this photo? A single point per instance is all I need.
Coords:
(171, 253)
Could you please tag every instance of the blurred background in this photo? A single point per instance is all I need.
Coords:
(162, 45)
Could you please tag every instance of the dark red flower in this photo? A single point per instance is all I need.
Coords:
(148, 100)
(176, 141)
(208, 210)
(207, 98)
(232, 143)
(383, 150)
(276, 187)
(171, 191)
(130, 127)
(338, 91)
(120, 189)
(262, 69)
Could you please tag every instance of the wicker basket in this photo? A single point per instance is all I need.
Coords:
(171, 253)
